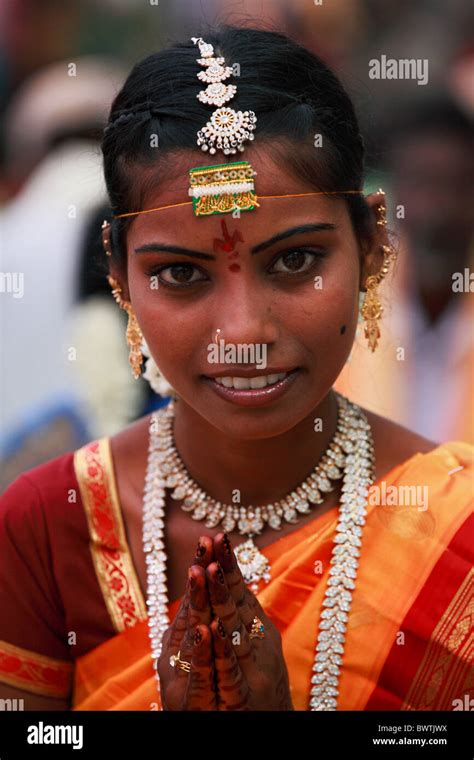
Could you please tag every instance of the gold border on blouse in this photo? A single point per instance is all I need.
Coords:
(35, 672)
(110, 551)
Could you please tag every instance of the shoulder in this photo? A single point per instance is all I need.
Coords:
(395, 444)
(448, 467)
(46, 484)
(46, 502)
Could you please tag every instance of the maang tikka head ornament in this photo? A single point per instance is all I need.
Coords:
(221, 188)
(227, 129)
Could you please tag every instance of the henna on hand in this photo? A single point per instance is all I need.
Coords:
(232, 688)
(263, 665)
(194, 612)
(200, 689)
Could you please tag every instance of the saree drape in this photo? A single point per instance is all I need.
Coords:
(409, 642)
(73, 622)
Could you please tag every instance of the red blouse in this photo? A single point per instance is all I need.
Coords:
(67, 580)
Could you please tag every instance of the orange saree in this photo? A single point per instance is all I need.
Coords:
(409, 643)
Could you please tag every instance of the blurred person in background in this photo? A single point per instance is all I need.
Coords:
(52, 126)
(423, 374)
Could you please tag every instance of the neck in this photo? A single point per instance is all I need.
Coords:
(263, 470)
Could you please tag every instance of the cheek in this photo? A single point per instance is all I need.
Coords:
(169, 326)
(325, 317)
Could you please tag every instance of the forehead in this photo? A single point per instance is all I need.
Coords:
(272, 178)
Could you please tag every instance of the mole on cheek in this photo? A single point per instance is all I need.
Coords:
(343, 329)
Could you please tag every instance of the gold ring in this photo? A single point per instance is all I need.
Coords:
(176, 662)
(258, 629)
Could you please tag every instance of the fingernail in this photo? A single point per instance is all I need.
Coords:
(227, 545)
(220, 574)
(197, 636)
(201, 550)
(220, 627)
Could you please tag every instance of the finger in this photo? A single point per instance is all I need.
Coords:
(224, 607)
(203, 556)
(204, 551)
(198, 611)
(200, 691)
(244, 599)
(232, 687)
(178, 627)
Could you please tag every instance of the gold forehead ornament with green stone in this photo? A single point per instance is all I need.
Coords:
(221, 188)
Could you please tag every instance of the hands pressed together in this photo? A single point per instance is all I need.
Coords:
(229, 670)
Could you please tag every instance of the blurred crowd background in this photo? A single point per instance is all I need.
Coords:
(64, 374)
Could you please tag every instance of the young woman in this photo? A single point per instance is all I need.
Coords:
(346, 584)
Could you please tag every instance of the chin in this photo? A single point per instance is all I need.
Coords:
(260, 421)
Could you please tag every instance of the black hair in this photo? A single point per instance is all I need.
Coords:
(293, 93)
(90, 280)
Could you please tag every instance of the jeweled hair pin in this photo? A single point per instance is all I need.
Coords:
(229, 187)
(227, 129)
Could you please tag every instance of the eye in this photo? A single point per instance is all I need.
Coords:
(296, 261)
(178, 275)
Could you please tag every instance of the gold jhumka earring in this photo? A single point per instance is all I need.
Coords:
(138, 348)
(134, 333)
(372, 309)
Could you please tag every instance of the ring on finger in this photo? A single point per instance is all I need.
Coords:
(257, 630)
(177, 662)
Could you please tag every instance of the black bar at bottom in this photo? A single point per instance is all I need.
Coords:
(151, 735)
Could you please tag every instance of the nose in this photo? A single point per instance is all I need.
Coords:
(245, 315)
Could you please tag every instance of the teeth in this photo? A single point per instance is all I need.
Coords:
(247, 383)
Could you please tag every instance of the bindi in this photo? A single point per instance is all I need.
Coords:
(227, 244)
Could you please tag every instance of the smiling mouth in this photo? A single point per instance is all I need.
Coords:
(248, 383)
(252, 390)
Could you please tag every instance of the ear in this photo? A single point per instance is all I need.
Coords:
(372, 254)
(115, 270)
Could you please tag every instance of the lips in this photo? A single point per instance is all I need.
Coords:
(252, 389)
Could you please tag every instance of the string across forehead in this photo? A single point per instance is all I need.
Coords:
(226, 187)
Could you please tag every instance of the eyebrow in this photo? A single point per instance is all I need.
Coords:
(157, 247)
(163, 248)
(300, 230)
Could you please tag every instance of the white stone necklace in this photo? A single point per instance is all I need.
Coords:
(350, 456)
(250, 520)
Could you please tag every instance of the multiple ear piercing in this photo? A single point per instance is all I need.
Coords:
(106, 237)
(371, 309)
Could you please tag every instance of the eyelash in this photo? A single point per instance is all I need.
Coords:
(317, 253)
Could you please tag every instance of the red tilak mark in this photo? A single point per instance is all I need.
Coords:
(227, 244)
(229, 241)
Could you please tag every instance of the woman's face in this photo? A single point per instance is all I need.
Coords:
(282, 280)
